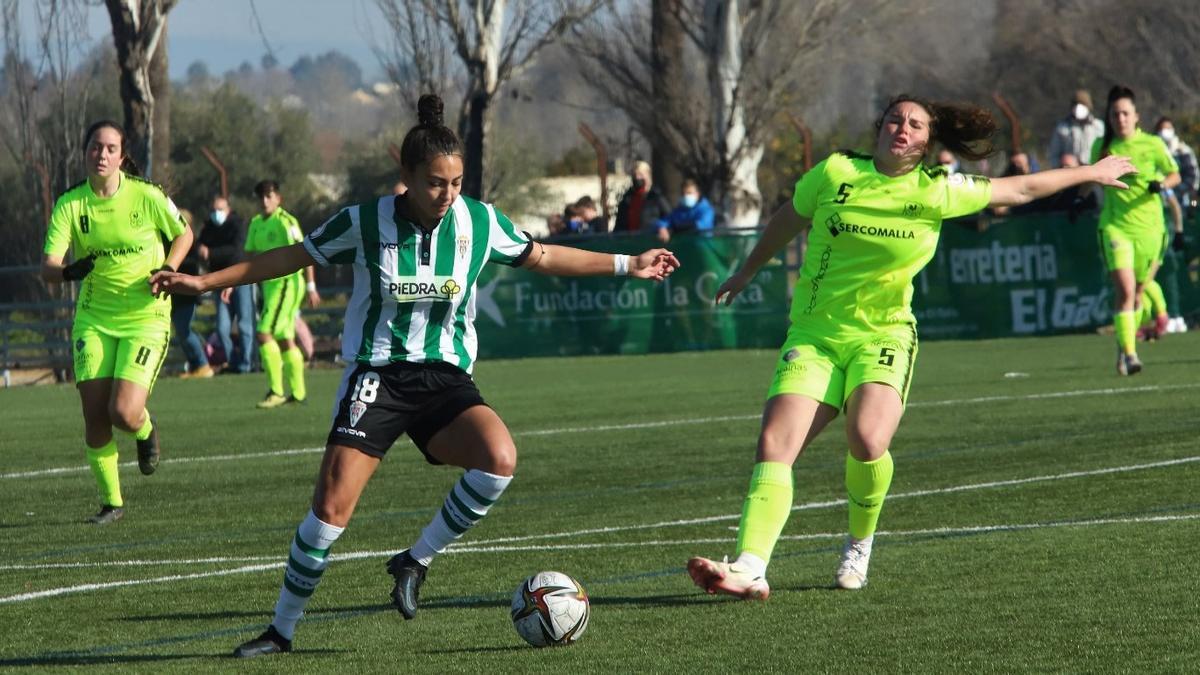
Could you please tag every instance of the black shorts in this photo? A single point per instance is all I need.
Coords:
(375, 404)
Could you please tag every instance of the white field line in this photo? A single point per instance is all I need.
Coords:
(660, 524)
(643, 425)
(941, 531)
(842, 502)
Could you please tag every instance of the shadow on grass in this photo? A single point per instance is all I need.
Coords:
(265, 614)
(475, 650)
(108, 659)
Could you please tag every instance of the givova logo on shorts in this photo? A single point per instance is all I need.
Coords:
(409, 289)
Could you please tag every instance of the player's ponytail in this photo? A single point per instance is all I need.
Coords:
(430, 138)
(962, 128)
(1115, 94)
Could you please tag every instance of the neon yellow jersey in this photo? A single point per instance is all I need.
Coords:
(870, 236)
(274, 231)
(126, 233)
(1136, 210)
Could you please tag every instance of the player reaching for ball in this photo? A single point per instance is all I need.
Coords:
(410, 340)
(875, 220)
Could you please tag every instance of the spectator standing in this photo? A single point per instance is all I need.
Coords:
(1076, 133)
(1185, 157)
(183, 309)
(642, 204)
(221, 244)
(693, 214)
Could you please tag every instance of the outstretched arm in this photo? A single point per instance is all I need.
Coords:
(783, 227)
(270, 265)
(1018, 190)
(564, 261)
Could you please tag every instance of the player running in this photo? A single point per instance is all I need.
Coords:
(410, 342)
(275, 228)
(114, 225)
(1132, 234)
(874, 221)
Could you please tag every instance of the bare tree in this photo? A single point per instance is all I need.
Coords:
(42, 107)
(494, 40)
(756, 56)
(138, 25)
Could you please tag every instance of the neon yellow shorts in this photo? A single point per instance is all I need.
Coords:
(136, 357)
(829, 367)
(1137, 252)
(281, 302)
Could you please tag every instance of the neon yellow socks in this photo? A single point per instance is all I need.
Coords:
(765, 510)
(293, 371)
(103, 461)
(1157, 305)
(272, 365)
(1126, 330)
(867, 484)
(143, 431)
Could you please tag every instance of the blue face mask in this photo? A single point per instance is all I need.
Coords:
(218, 217)
(689, 200)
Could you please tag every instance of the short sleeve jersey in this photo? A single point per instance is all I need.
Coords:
(126, 233)
(274, 231)
(1136, 210)
(871, 234)
(414, 296)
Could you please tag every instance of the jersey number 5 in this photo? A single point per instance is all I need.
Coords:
(887, 356)
(843, 193)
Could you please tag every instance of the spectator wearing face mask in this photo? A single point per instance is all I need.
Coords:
(1075, 134)
(642, 205)
(693, 214)
(221, 244)
(1185, 157)
(946, 159)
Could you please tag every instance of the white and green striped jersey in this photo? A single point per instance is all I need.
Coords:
(414, 291)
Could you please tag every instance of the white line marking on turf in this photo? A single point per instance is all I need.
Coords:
(649, 526)
(977, 529)
(841, 502)
(646, 425)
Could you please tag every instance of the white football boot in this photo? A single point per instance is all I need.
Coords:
(851, 573)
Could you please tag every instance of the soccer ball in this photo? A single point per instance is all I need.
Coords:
(550, 608)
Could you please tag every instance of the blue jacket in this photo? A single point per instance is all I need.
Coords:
(698, 218)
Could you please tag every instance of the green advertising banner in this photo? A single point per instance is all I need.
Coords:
(522, 313)
(1030, 275)
(1037, 274)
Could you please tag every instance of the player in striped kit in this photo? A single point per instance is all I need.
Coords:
(410, 341)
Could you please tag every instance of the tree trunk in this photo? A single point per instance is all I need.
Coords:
(137, 27)
(160, 91)
(739, 155)
(474, 131)
(666, 38)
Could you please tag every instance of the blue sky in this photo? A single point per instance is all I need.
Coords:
(223, 35)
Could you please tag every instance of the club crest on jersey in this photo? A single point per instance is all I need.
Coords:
(135, 219)
(357, 408)
(464, 245)
(409, 289)
(912, 210)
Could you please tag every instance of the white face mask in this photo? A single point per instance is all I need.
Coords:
(218, 217)
(1167, 134)
(1081, 112)
(690, 199)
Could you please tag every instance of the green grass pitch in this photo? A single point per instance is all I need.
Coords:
(1044, 518)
